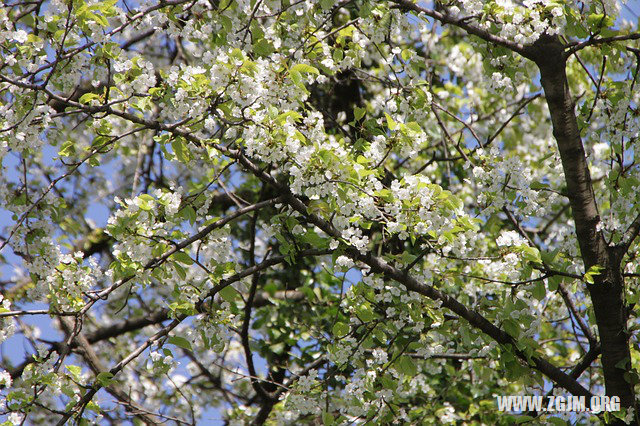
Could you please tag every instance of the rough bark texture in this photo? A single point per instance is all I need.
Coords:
(607, 292)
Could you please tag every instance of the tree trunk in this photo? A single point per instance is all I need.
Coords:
(607, 291)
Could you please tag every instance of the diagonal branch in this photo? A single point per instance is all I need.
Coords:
(96, 365)
(630, 234)
(91, 392)
(462, 23)
(475, 319)
(378, 265)
(576, 314)
(576, 46)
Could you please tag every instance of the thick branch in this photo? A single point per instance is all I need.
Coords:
(462, 23)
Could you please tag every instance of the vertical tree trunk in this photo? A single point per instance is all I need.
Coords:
(607, 292)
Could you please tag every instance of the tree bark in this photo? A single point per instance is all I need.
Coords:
(607, 291)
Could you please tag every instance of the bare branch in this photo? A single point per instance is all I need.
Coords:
(573, 47)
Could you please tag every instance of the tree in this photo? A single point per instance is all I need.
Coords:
(300, 212)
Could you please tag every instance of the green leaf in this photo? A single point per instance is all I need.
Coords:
(94, 161)
(67, 149)
(594, 271)
(296, 77)
(182, 273)
(535, 185)
(546, 157)
(282, 118)
(304, 68)
(405, 365)
(338, 55)
(144, 205)
(75, 371)
(263, 47)
(388, 382)
(390, 122)
(556, 421)
(182, 257)
(522, 419)
(623, 363)
(539, 292)
(88, 97)
(599, 20)
(277, 348)
(229, 293)
(531, 254)
(365, 313)
(554, 282)
(414, 127)
(105, 378)
(340, 329)
(237, 54)
(188, 213)
(180, 342)
(549, 256)
(511, 327)
(179, 149)
(631, 377)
